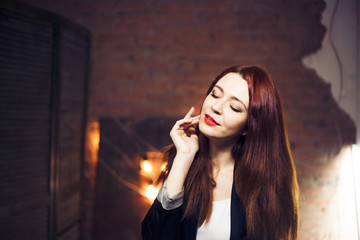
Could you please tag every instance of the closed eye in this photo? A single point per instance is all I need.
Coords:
(235, 109)
(214, 96)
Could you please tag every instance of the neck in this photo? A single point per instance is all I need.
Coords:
(221, 155)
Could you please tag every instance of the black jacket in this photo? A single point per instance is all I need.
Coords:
(161, 224)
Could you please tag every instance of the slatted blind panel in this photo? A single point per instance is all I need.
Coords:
(73, 65)
(26, 45)
(43, 74)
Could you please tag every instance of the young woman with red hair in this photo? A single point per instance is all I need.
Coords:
(230, 174)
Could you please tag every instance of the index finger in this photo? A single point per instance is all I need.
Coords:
(190, 112)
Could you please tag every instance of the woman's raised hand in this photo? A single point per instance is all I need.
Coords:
(184, 136)
(186, 141)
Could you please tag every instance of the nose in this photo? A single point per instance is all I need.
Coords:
(217, 107)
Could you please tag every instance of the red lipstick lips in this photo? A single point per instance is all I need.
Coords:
(210, 121)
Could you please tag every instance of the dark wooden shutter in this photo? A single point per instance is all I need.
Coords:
(25, 95)
(73, 65)
(43, 65)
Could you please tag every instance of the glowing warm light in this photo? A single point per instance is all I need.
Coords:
(146, 166)
(163, 166)
(95, 139)
(356, 167)
(151, 192)
(150, 170)
(344, 199)
(92, 142)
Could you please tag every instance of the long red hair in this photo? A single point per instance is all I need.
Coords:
(265, 177)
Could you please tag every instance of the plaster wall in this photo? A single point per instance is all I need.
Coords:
(337, 61)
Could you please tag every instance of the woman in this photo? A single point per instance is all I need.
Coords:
(230, 174)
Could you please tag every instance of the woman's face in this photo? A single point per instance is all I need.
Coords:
(224, 112)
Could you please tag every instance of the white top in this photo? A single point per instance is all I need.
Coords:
(218, 227)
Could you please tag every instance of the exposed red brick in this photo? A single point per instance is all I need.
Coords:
(157, 58)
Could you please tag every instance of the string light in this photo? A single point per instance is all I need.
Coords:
(163, 167)
(151, 192)
(150, 170)
(146, 166)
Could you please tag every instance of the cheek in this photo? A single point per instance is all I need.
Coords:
(236, 123)
(205, 104)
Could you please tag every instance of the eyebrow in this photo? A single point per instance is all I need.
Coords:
(222, 90)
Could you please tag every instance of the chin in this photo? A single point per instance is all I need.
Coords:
(206, 132)
(203, 128)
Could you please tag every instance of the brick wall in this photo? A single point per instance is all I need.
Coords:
(157, 58)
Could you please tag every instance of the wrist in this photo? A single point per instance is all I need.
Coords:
(184, 159)
(177, 175)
